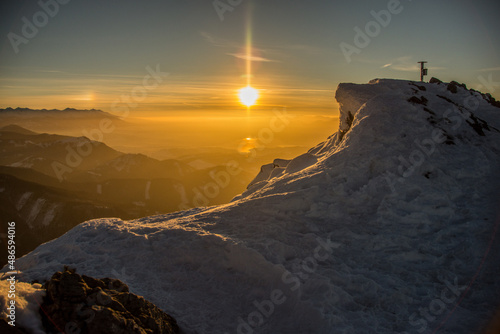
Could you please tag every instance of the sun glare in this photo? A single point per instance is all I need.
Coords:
(248, 96)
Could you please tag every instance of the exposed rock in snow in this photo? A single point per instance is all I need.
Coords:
(388, 226)
(87, 305)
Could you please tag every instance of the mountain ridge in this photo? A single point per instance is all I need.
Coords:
(21, 109)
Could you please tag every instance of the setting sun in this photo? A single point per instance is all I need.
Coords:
(248, 96)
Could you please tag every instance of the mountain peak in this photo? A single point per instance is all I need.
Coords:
(387, 119)
(17, 129)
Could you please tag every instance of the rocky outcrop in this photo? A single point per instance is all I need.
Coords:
(435, 81)
(88, 305)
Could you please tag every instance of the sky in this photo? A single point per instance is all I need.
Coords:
(190, 57)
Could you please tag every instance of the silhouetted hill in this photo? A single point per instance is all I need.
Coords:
(43, 213)
(54, 155)
(44, 112)
(17, 129)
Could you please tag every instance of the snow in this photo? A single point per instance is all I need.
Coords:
(22, 201)
(265, 172)
(279, 166)
(301, 162)
(386, 227)
(179, 187)
(50, 214)
(35, 211)
(27, 300)
(25, 163)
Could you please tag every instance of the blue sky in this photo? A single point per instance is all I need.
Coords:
(92, 52)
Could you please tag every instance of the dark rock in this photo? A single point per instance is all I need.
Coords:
(349, 120)
(416, 100)
(448, 100)
(452, 87)
(478, 125)
(435, 81)
(70, 287)
(491, 100)
(449, 139)
(95, 306)
(430, 111)
(420, 87)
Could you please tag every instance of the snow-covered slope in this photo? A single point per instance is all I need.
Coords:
(388, 226)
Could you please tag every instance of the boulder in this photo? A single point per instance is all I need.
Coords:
(84, 304)
(452, 87)
(435, 81)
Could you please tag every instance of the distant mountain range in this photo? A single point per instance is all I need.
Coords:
(66, 121)
(18, 113)
(67, 110)
(50, 183)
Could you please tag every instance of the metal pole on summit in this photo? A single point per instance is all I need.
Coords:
(423, 71)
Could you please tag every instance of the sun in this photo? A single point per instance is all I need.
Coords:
(248, 96)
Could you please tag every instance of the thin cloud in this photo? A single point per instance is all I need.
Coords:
(48, 71)
(405, 64)
(223, 43)
(250, 57)
(491, 69)
(408, 64)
